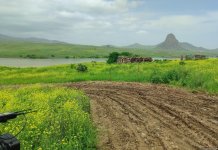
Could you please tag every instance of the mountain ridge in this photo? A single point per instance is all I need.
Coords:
(138, 46)
(5, 38)
(169, 44)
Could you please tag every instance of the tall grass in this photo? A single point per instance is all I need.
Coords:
(200, 75)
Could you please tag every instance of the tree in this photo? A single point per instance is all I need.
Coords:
(113, 57)
(125, 54)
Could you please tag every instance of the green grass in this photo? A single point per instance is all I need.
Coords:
(58, 50)
(199, 75)
(62, 120)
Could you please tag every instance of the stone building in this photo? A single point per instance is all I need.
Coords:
(123, 59)
(195, 57)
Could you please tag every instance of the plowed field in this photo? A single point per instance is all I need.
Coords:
(134, 116)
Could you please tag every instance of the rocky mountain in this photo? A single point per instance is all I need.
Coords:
(5, 38)
(170, 43)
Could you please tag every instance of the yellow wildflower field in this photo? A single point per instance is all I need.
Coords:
(62, 120)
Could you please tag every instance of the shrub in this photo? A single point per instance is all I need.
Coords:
(81, 68)
(182, 63)
(31, 56)
(125, 54)
(156, 77)
(113, 57)
(171, 75)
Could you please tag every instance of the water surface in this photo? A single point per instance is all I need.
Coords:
(21, 62)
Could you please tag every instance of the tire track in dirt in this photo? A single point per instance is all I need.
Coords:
(134, 116)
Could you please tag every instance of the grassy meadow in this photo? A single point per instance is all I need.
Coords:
(63, 50)
(196, 75)
(62, 119)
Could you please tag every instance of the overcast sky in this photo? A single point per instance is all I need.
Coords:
(116, 22)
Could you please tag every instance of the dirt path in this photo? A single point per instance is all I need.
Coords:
(134, 116)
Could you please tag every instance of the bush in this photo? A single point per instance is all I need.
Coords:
(113, 57)
(81, 68)
(171, 75)
(156, 77)
(182, 63)
(31, 56)
(125, 54)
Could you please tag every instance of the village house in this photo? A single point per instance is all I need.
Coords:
(123, 59)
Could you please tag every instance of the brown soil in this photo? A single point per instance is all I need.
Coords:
(134, 116)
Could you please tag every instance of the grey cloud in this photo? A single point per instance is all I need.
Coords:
(108, 21)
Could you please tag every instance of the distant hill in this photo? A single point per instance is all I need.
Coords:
(5, 38)
(215, 51)
(109, 46)
(138, 46)
(189, 46)
(170, 43)
(12, 47)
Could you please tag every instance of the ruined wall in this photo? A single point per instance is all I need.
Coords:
(195, 57)
(133, 59)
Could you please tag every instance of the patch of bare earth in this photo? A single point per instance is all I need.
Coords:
(134, 116)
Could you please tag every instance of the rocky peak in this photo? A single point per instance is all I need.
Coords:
(171, 39)
(170, 43)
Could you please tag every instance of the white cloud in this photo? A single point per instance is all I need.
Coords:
(180, 21)
(75, 15)
(118, 21)
(99, 7)
(142, 32)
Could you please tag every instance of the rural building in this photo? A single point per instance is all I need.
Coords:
(198, 57)
(195, 57)
(123, 59)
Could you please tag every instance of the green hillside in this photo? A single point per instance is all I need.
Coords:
(62, 50)
(42, 48)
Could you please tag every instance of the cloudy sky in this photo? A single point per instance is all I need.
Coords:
(117, 22)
